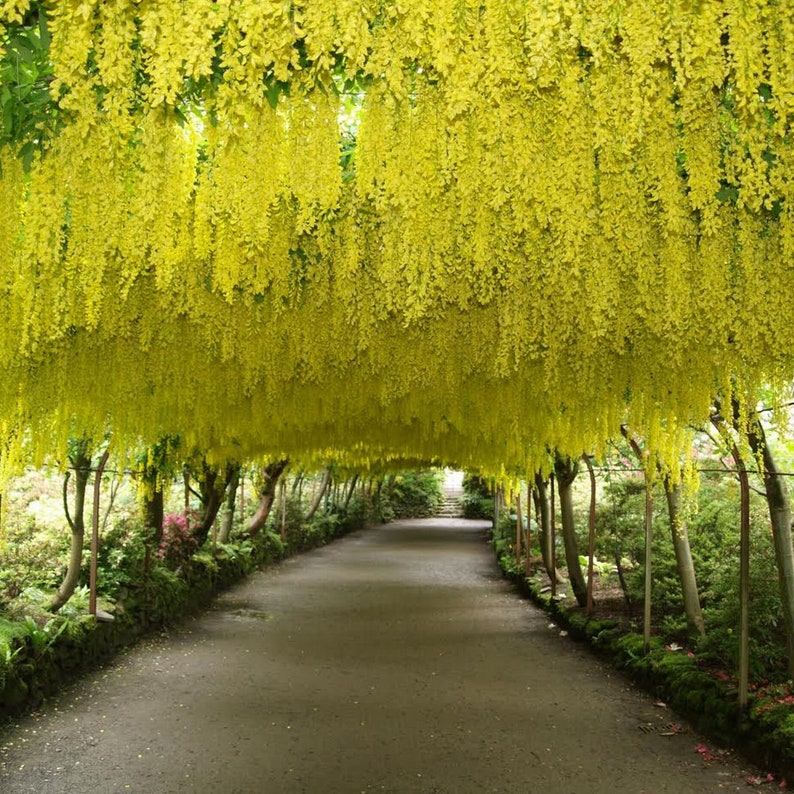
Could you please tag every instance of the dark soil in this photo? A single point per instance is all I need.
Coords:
(395, 660)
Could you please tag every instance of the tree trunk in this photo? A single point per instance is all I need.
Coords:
(227, 519)
(212, 489)
(298, 483)
(153, 515)
(683, 556)
(623, 585)
(350, 491)
(648, 599)
(540, 496)
(647, 603)
(497, 507)
(519, 527)
(553, 533)
(744, 555)
(267, 495)
(81, 462)
(186, 481)
(590, 534)
(318, 496)
(93, 576)
(780, 516)
(528, 557)
(566, 471)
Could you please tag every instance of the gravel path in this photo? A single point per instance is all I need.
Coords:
(395, 660)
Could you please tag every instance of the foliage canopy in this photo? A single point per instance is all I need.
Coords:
(466, 230)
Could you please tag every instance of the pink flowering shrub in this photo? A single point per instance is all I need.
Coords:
(177, 543)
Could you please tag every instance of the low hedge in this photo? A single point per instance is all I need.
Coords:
(763, 732)
(36, 660)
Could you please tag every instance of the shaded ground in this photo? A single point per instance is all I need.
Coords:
(395, 660)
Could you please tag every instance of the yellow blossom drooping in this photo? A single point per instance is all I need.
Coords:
(446, 230)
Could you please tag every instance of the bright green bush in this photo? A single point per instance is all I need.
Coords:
(411, 494)
(478, 502)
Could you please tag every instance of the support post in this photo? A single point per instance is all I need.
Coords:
(92, 584)
(591, 537)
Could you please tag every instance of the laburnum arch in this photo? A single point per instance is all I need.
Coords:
(467, 230)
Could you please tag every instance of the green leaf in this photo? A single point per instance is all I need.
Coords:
(727, 194)
(26, 153)
(8, 114)
(44, 31)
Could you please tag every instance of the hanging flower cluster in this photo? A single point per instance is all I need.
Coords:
(470, 230)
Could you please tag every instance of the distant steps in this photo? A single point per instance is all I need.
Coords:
(452, 503)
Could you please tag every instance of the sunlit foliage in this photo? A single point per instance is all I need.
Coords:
(558, 215)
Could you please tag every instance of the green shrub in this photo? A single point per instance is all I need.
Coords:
(357, 513)
(120, 558)
(478, 502)
(411, 494)
(26, 560)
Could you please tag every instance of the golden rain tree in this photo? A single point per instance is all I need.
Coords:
(467, 230)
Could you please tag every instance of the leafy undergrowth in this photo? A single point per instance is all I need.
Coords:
(690, 683)
(39, 651)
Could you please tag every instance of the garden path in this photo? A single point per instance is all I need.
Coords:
(395, 660)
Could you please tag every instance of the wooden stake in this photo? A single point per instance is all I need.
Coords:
(92, 582)
(519, 527)
(528, 561)
(744, 588)
(591, 540)
(242, 497)
(552, 531)
(283, 487)
(646, 618)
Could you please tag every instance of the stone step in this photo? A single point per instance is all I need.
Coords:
(451, 505)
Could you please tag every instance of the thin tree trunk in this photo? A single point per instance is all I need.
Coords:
(227, 519)
(81, 462)
(780, 516)
(114, 489)
(213, 490)
(283, 492)
(267, 495)
(242, 496)
(154, 514)
(567, 470)
(591, 534)
(540, 495)
(297, 483)
(648, 598)
(519, 527)
(331, 498)
(553, 535)
(350, 491)
(318, 496)
(623, 585)
(528, 558)
(744, 560)
(744, 587)
(683, 556)
(94, 568)
(648, 602)
(153, 517)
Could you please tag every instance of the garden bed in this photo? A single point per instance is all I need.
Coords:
(705, 696)
(37, 657)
